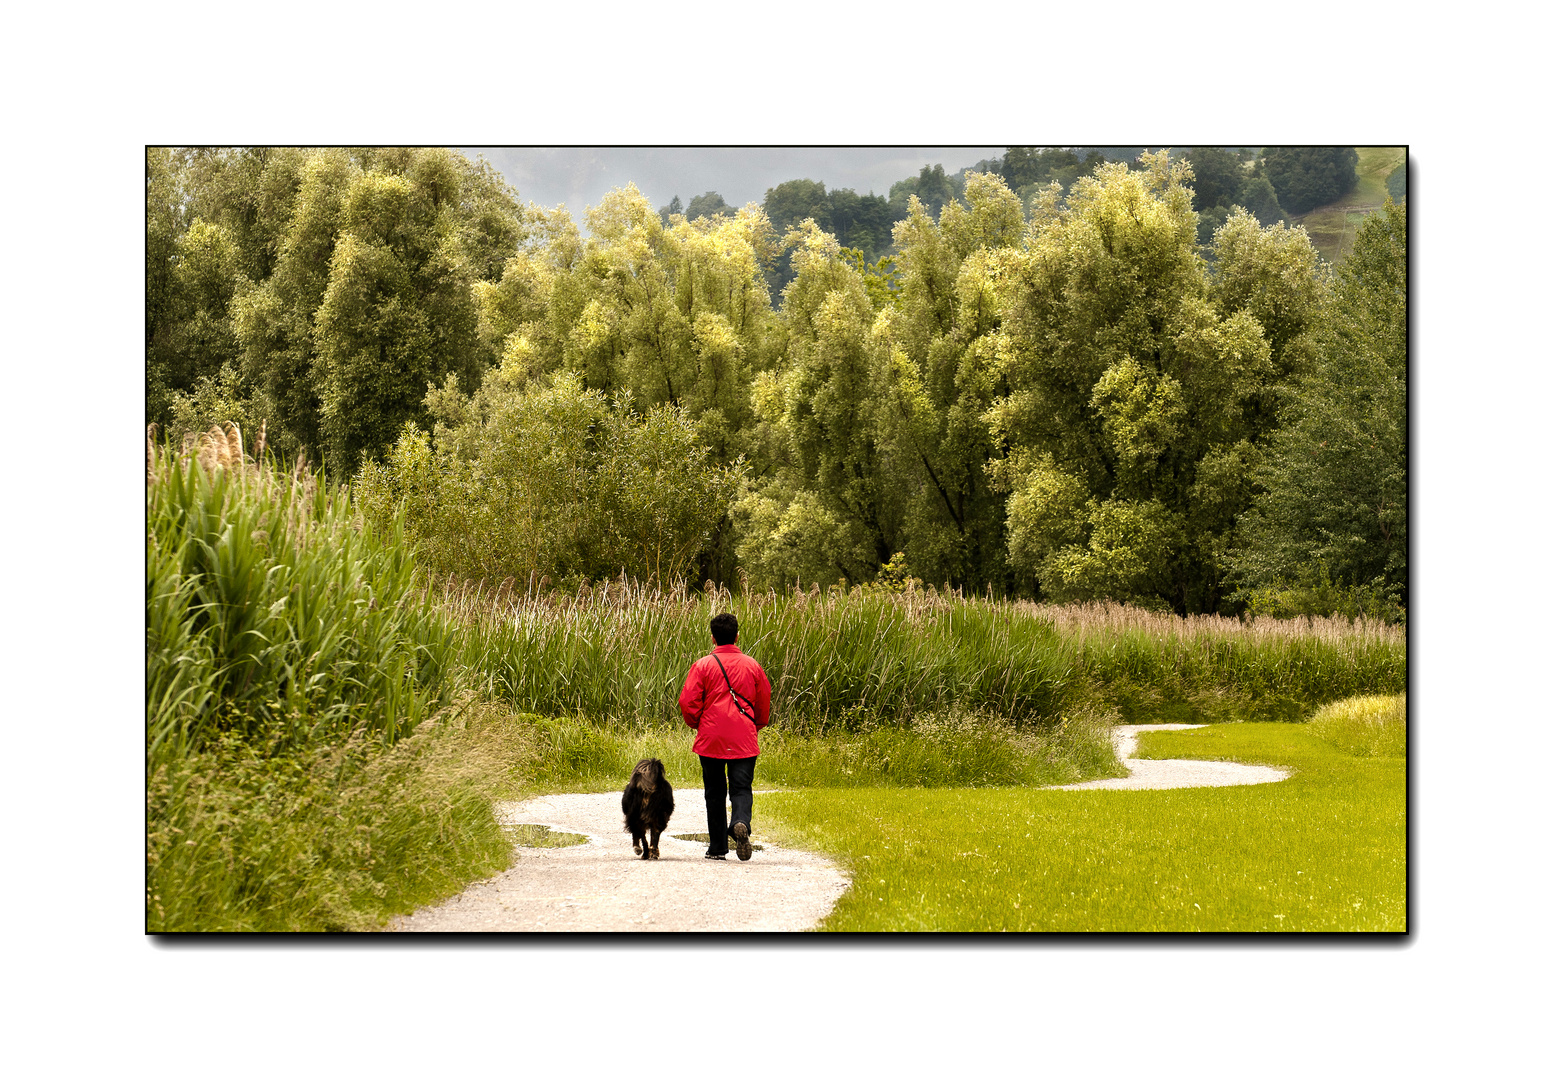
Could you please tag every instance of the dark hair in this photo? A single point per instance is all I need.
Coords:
(725, 628)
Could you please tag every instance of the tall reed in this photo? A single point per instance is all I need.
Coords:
(270, 607)
(620, 650)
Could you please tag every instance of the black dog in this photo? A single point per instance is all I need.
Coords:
(647, 803)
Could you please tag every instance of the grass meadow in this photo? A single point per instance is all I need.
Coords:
(1321, 851)
(327, 730)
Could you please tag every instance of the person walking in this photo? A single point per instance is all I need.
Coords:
(726, 699)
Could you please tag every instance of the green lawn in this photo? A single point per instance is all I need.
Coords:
(1324, 850)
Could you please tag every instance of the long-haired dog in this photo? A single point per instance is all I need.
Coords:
(647, 803)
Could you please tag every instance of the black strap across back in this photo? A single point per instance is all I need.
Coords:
(738, 701)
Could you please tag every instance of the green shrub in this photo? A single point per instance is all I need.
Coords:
(530, 480)
(1373, 725)
(1315, 593)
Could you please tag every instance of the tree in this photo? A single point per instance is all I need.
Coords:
(1397, 183)
(676, 315)
(1131, 412)
(787, 206)
(1332, 499)
(1275, 275)
(1029, 171)
(707, 204)
(818, 509)
(1306, 177)
(930, 186)
(1258, 196)
(666, 212)
(194, 269)
(1209, 223)
(525, 315)
(791, 201)
(398, 312)
(368, 262)
(859, 221)
(938, 356)
(1217, 178)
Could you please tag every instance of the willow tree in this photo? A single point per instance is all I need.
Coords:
(676, 314)
(375, 256)
(821, 507)
(939, 356)
(1133, 411)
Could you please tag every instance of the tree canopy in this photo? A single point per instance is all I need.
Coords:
(1333, 489)
(1057, 376)
(1305, 177)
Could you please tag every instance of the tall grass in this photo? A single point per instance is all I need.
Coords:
(290, 663)
(269, 606)
(620, 650)
(1371, 725)
(330, 837)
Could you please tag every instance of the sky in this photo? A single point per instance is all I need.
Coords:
(580, 176)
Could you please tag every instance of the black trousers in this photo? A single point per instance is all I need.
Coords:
(736, 789)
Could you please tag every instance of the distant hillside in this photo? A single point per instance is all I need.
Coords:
(1332, 227)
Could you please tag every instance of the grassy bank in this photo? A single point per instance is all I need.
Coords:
(950, 750)
(336, 837)
(1324, 850)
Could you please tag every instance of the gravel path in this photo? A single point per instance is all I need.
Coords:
(601, 885)
(1174, 773)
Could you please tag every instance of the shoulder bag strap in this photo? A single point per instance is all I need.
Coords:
(738, 701)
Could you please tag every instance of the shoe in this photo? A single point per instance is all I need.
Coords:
(742, 841)
(713, 855)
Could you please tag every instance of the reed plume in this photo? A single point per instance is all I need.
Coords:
(233, 458)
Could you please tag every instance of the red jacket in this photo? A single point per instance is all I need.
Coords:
(721, 730)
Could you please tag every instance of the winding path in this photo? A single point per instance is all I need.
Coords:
(601, 886)
(1173, 772)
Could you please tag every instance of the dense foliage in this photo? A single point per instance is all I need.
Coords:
(1333, 504)
(1397, 183)
(548, 480)
(1306, 177)
(1052, 375)
(320, 290)
(1135, 403)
